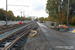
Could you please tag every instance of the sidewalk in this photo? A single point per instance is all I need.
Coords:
(37, 42)
(49, 39)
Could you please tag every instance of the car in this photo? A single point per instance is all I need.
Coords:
(3, 21)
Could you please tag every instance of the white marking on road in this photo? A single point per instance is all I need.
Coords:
(42, 27)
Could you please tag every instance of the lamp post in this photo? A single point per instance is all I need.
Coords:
(24, 16)
(68, 13)
(6, 12)
(21, 15)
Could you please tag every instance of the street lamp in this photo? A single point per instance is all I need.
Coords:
(6, 12)
(21, 15)
(68, 13)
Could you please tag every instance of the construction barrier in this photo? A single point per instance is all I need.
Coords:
(33, 31)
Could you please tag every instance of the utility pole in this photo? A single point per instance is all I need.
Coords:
(68, 13)
(6, 13)
(61, 15)
(61, 11)
(58, 13)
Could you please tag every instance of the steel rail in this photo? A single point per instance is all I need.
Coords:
(10, 39)
(18, 38)
(11, 33)
(14, 27)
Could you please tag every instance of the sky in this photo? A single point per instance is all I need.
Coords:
(36, 7)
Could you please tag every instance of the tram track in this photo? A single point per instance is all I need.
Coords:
(17, 43)
(15, 37)
(10, 27)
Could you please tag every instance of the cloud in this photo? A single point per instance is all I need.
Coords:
(36, 7)
(39, 6)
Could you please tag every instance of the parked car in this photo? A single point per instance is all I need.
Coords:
(3, 21)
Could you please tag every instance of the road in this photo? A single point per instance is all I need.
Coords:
(11, 22)
(58, 40)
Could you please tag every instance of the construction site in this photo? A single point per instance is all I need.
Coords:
(37, 25)
(36, 36)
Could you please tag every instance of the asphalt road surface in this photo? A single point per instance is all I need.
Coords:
(58, 40)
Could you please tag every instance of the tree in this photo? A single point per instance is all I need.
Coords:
(4, 16)
(1, 14)
(48, 18)
(10, 15)
(41, 19)
(71, 10)
(45, 19)
(27, 18)
(57, 10)
(52, 8)
(18, 18)
(13, 18)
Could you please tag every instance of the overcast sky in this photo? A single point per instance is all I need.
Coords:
(36, 7)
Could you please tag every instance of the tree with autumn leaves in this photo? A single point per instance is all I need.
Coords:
(57, 10)
(3, 15)
(11, 16)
